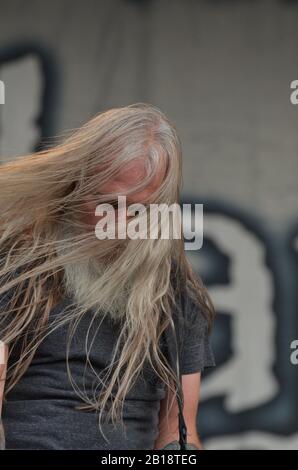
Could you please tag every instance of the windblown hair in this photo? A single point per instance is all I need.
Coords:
(42, 197)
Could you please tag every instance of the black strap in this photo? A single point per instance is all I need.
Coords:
(173, 349)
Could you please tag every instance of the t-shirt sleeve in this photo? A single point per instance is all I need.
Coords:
(196, 352)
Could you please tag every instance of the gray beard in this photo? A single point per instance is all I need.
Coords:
(79, 277)
(83, 277)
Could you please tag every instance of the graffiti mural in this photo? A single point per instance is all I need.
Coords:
(29, 73)
(249, 399)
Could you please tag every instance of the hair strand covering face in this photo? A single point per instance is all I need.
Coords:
(46, 251)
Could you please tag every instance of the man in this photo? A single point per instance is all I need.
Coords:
(84, 318)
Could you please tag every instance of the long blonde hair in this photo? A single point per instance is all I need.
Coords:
(40, 195)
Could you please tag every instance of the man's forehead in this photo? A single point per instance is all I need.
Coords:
(134, 173)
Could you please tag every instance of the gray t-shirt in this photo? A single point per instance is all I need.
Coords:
(40, 413)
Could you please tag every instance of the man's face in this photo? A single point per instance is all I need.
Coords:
(81, 277)
(131, 174)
